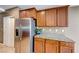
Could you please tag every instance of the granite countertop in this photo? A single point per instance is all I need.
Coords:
(54, 36)
(6, 49)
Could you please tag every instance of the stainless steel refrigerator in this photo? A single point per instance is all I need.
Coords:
(24, 33)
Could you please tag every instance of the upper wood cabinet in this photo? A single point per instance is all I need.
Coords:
(28, 13)
(22, 14)
(32, 13)
(55, 17)
(41, 18)
(62, 15)
(51, 17)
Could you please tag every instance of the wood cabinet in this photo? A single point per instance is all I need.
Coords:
(66, 47)
(28, 13)
(22, 14)
(62, 15)
(39, 45)
(52, 46)
(41, 18)
(32, 13)
(54, 17)
(51, 17)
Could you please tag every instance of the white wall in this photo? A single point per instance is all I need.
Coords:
(8, 31)
(72, 31)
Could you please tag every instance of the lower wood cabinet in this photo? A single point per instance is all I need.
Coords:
(52, 46)
(66, 47)
(39, 45)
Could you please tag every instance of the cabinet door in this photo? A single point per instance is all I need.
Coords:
(62, 16)
(22, 14)
(39, 45)
(66, 47)
(41, 18)
(28, 13)
(32, 13)
(51, 46)
(51, 17)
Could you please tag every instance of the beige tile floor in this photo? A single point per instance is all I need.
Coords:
(5, 49)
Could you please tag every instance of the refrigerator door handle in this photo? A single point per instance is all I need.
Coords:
(20, 32)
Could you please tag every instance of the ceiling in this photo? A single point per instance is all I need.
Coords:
(7, 6)
(38, 7)
(4, 7)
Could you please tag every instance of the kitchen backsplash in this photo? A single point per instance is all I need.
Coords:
(58, 30)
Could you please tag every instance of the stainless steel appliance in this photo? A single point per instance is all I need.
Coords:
(25, 30)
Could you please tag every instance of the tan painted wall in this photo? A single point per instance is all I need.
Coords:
(1, 29)
(11, 12)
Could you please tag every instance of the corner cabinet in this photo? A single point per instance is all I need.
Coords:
(28, 13)
(52, 46)
(62, 16)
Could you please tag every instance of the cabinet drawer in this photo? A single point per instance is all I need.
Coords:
(54, 42)
(39, 39)
(70, 44)
(66, 47)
